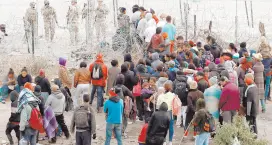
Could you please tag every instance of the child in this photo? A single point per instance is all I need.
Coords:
(142, 135)
(14, 119)
(146, 93)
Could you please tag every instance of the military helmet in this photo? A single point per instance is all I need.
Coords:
(46, 2)
(32, 4)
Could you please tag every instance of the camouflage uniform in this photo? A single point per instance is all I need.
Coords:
(124, 28)
(72, 22)
(31, 24)
(100, 21)
(49, 18)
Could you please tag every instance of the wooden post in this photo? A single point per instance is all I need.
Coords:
(251, 14)
(246, 12)
(194, 26)
(180, 8)
(114, 13)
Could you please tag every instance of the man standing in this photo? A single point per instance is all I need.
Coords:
(31, 26)
(100, 21)
(72, 21)
(49, 18)
(170, 29)
(99, 76)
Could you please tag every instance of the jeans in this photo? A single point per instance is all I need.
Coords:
(100, 99)
(202, 138)
(83, 138)
(11, 127)
(81, 89)
(30, 135)
(267, 86)
(171, 127)
(117, 131)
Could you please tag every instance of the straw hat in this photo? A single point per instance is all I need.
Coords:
(258, 56)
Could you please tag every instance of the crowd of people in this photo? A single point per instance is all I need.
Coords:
(178, 82)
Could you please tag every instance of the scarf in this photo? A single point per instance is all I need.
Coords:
(27, 97)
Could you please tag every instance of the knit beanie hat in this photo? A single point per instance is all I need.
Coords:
(37, 88)
(41, 72)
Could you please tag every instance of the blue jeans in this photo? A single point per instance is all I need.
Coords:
(116, 128)
(262, 103)
(100, 99)
(171, 127)
(30, 135)
(202, 138)
(267, 86)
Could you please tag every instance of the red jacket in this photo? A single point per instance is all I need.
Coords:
(102, 81)
(142, 135)
(230, 98)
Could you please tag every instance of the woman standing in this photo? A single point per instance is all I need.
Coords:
(23, 78)
(43, 82)
(64, 76)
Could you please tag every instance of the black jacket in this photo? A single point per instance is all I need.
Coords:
(202, 85)
(215, 50)
(130, 79)
(44, 83)
(22, 80)
(126, 91)
(158, 126)
(128, 58)
(182, 97)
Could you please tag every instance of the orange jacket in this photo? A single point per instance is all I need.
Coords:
(102, 81)
(156, 19)
(82, 76)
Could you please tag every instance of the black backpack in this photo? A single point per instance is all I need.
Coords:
(97, 73)
(209, 125)
(181, 90)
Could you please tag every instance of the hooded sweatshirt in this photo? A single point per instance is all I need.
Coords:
(57, 102)
(114, 108)
(156, 60)
(14, 117)
(150, 30)
(101, 82)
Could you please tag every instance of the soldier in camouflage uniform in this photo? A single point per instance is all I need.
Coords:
(100, 20)
(31, 25)
(72, 21)
(124, 26)
(49, 18)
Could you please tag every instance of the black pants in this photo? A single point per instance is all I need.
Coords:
(9, 129)
(83, 138)
(60, 120)
(140, 107)
(252, 123)
(68, 91)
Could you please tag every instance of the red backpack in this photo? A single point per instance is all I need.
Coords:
(36, 121)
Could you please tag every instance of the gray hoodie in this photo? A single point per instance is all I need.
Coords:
(57, 102)
(156, 60)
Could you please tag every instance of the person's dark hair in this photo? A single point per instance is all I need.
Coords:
(180, 72)
(141, 61)
(24, 69)
(196, 62)
(168, 87)
(86, 98)
(114, 62)
(191, 66)
(159, 68)
(122, 9)
(83, 65)
(180, 38)
(199, 44)
(148, 62)
(159, 30)
(200, 73)
(207, 47)
(243, 45)
(200, 104)
(182, 64)
(163, 74)
(135, 8)
(232, 46)
(11, 71)
(127, 57)
(124, 68)
(210, 38)
(173, 56)
(120, 79)
(168, 19)
(142, 9)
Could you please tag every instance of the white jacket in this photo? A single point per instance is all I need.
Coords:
(167, 98)
(142, 25)
(150, 30)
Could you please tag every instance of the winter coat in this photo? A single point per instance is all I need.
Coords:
(44, 84)
(251, 97)
(156, 40)
(166, 98)
(128, 58)
(265, 50)
(230, 98)
(241, 76)
(42, 104)
(64, 77)
(25, 116)
(215, 51)
(150, 30)
(172, 73)
(142, 25)
(158, 126)
(207, 55)
(213, 70)
(57, 102)
(193, 96)
(126, 91)
(183, 79)
(202, 85)
(22, 80)
(101, 82)
(135, 17)
(258, 69)
(142, 72)
(200, 119)
(130, 79)
(114, 108)
(14, 117)
(212, 96)
(156, 61)
(82, 76)
(113, 72)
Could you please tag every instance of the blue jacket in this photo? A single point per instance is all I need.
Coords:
(114, 108)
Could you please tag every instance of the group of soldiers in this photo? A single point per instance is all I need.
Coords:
(73, 17)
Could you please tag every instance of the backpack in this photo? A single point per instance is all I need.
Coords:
(36, 121)
(209, 124)
(97, 73)
(128, 106)
(136, 92)
(82, 116)
(176, 105)
(180, 89)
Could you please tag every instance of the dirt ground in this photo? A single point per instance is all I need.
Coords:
(133, 130)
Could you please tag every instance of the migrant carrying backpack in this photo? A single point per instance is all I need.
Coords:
(209, 124)
(36, 121)
(181, 89)
(82, 117)
(97, 73)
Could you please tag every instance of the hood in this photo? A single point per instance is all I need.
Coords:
(58, 94)
(212, 67)
(141, 68)
(99, 58)
(220, 68)
(228, 65)
(162, 80)
(148, 16)
(127, 57)
(115, 99)
(62, 61)
(181, 78)
(163, 107)
(155, 56)
(13, 96)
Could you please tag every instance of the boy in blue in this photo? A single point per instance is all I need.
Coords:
(114, 108)
(170, 29)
